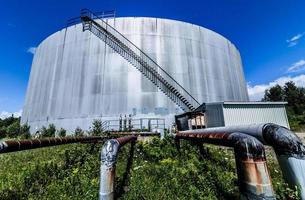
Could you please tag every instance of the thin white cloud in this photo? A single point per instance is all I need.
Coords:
(291, 44)
(298, 66)
(31, 50)
(256, 92)
(294, 40)
(5, 114)
(11, 25)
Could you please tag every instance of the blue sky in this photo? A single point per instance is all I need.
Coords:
(270, 35)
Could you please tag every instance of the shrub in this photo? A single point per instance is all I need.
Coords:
(79, 132)
(61, 132)
(43, 131)
(52, 130)
(25, 131)
(48, 132)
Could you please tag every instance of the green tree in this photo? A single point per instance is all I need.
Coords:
(8, 121)
(301, 100)
(52, 130)
(62, 132)
(295, 96)
(97, 127)
(275, 93)
(13, 129)
(292, 94)
(9, 124)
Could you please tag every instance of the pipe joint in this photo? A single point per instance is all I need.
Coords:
(109, 153)
(247, 147)
(284, 141)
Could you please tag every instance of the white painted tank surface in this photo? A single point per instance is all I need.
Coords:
(76, 77)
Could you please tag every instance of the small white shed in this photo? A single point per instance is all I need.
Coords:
(240, 113)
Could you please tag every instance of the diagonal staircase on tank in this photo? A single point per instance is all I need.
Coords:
(141, 61)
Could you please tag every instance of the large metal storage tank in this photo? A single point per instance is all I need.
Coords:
(76, 77)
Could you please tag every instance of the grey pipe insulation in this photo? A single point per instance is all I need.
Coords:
(109, 155)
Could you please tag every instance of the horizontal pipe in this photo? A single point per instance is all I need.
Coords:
(135, 133)
(109, 155)
(253, 176)
(20, 145)
(252, 129)
(289, 149)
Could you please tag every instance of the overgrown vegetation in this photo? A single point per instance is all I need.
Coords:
(61, 132)
(158, 170)
(79, 132)
(295, 96)
(48, 132)
(10, 127)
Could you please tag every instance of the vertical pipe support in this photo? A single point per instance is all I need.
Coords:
(109, 155)
(253, 175)
(290, 153)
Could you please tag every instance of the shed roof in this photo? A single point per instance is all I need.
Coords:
(248, 103)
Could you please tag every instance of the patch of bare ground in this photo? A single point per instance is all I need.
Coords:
(301, 136)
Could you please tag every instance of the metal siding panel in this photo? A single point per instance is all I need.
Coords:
(215, 116)
(249, 114)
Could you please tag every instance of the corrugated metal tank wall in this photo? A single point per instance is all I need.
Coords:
(75, 77)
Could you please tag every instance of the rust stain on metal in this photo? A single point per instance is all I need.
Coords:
(134, 133)
(18, 145)
(124, 140)
(203, 136)
(253, 176)
(256, 175)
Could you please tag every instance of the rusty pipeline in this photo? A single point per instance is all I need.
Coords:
(109, 155)
(253, 175)
(289, 149)
(134, 133)
(19, 145)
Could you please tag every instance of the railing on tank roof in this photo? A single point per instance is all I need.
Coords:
(100, 15)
